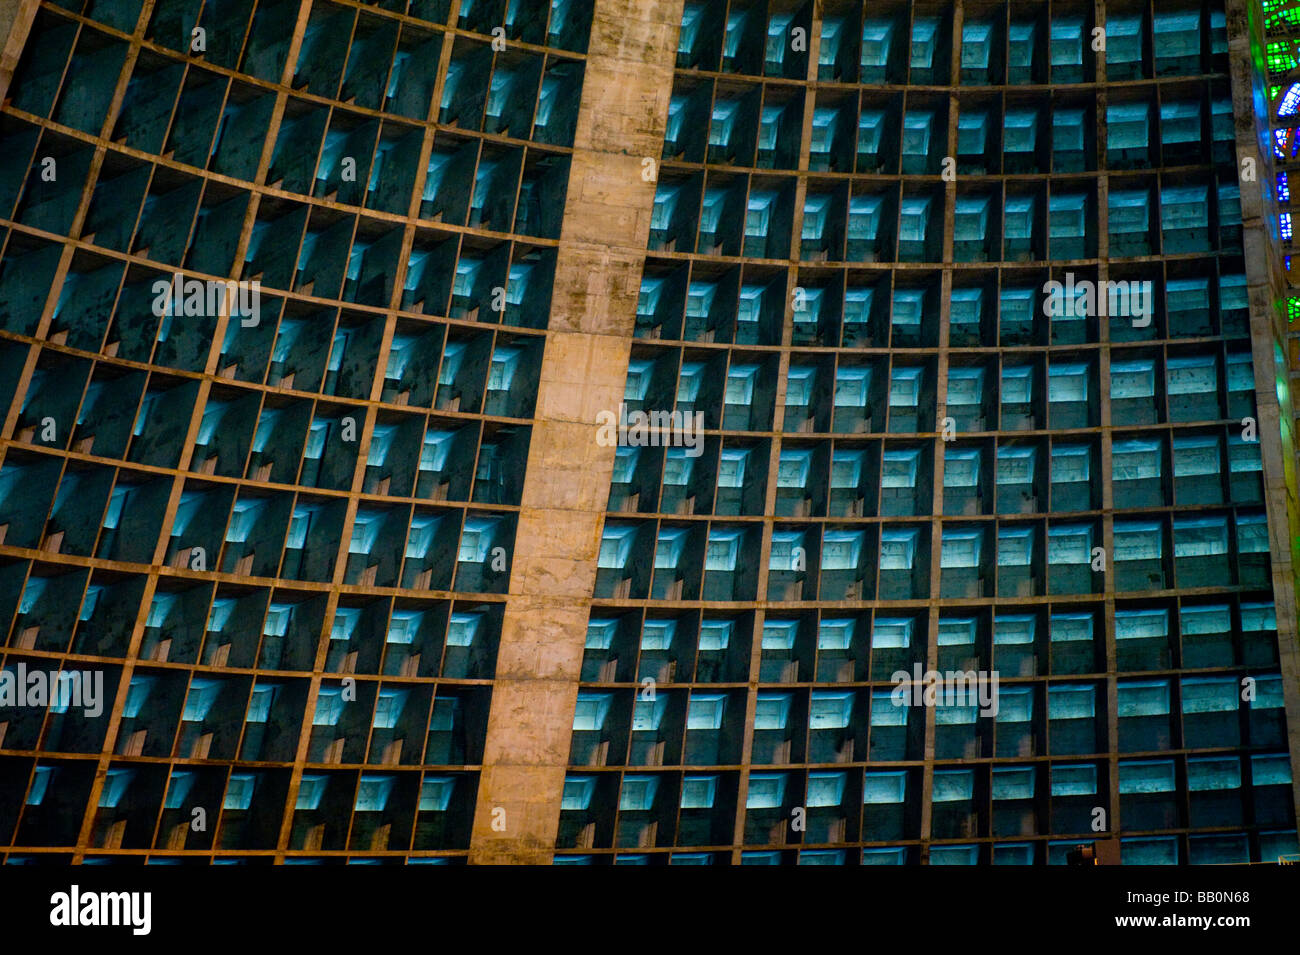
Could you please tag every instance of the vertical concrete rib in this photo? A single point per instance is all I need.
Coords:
(621, 122)
(16, 18)
(1268, 322)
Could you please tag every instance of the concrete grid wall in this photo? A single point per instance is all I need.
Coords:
(314, 674)
(1279, 506)
(600, 256)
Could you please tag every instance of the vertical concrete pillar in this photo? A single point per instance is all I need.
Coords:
(1266, 280)
(619, 139)
(16, 18)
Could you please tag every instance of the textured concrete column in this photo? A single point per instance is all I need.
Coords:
(16, 18)
(607, 212)
(1268, 330)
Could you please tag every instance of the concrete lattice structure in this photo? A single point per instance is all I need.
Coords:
(363, 578)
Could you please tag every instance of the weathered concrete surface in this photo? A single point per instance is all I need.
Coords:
(1265, 276)
(16, 18)
(584, 367)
